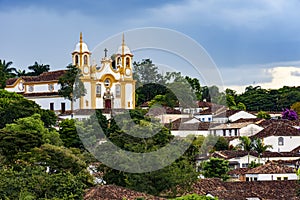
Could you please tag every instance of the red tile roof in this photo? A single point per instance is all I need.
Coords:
(46, 76)
(271, 168)
(267, 190)
(277, 129)
(113, 192)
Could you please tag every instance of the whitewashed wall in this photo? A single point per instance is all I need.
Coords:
(290, 143)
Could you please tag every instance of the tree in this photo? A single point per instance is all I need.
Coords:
(34, 125)
(6, 72)
(259, 147)
(289, 114)
(72, 87)
(69, 135)
(263, 115)
(20, 73)
(296, 107)
(5, 66)
(216, 168)
(246, 144)
(146, 72)
(126, 134)
(37, 69)
(197, 90)
(14, 106)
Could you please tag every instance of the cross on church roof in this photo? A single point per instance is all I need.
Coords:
(105, 52)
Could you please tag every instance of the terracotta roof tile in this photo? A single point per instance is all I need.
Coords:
(267, 190)
(113, 192)
(11, 81)
(271, 168)
(277, 129)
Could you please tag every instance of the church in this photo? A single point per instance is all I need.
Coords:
(108, 85)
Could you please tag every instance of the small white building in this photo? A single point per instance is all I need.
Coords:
(282, 137)
(271, 171)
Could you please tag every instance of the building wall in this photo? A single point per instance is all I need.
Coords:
(270, 177)
(45, 102)
(204, 118)
(182, 133)
(243, 161)
(289, 143)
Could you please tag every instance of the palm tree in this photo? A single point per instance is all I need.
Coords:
(259, 147)
(38, 69)
(20, 73)
(6, 72)
(247, 145)
(6, 69)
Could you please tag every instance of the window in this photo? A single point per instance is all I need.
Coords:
(230, 132)
(224, 132)
(51, 106)
(63, 107)
(255, 179)
(278, 178)
(76, 60)
(247, 179)
(235, 132)
(127, 62)
(244, 165)
(209, 119)
(203, 119)
(285, 178)
(280, 141)
(30, 88)
(98, 90)
(85, 60)
(118, 91)
(107, 82)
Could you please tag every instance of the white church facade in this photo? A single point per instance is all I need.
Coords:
(109, 85)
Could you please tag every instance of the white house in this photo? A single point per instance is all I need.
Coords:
(282, 137)
(271, 171)
(229, 129)
(188, 126)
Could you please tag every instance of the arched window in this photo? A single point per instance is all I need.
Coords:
(118, 91)
(280, 141)
(107, 82)
(85, 60)
(127, 62)
(98, 90)
(76, 60)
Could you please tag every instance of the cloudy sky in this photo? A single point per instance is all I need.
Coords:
(251, 42)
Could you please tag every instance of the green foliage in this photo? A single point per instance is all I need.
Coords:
(123, 133)
(37, 69)
(216, 168)
(195, 197)
(34, 125)
(197, 90)
(253, 164)
(256, 98)
(14, 142)
(14, 106)
(68, 134)
(33, 182)
(263, 115)
(48, 117)
(296, 107)
(6, 72)
(72, 87)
